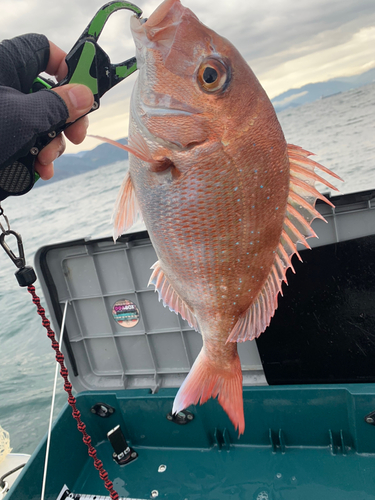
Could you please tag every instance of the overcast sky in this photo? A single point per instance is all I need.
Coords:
(287, 43)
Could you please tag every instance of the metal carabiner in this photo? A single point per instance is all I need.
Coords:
(19, 261)
(6, 220)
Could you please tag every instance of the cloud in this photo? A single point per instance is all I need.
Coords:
(287, 43)
(346, 59)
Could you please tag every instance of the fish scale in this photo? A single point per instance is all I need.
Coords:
(224, 198)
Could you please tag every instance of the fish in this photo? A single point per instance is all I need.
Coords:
(224, 198)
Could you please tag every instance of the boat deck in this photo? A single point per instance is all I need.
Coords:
(316, 445)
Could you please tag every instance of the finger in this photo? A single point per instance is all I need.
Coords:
(56, 64)
(52, 151)
(78, 99)
(45, 171)
(77, 132)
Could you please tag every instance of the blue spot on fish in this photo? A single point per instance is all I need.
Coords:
(235, 188)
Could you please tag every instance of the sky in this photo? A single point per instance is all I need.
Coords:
(287, 43)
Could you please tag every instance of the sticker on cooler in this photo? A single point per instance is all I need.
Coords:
(126, 313)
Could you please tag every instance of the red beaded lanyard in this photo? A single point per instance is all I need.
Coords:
(26, 277)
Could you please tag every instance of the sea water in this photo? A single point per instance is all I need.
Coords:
(339, 129)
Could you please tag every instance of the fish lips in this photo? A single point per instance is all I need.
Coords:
(160, 28)
(163, 37)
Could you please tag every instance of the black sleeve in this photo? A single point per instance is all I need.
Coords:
(24, 116)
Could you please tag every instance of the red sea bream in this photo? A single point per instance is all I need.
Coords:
(224, 198)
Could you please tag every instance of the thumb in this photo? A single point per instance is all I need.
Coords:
(78, 99)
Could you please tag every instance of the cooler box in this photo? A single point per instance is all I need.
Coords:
(309, 380)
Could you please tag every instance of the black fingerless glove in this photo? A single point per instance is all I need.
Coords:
(23, 115)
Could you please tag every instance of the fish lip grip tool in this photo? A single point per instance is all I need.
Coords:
(88, 64)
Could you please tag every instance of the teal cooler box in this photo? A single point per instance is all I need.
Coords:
(309, 380)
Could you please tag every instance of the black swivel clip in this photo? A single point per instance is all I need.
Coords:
(25, 275)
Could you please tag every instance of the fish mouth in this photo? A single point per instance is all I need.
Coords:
(160, 28)
(158, 32)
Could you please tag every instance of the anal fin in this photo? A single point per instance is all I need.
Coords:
(258, 316)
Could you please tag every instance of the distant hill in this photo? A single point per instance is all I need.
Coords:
(104, 154)
(314, 91)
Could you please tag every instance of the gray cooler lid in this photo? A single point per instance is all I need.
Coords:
(118, 335)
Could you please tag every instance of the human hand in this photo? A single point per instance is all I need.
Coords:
(78, 99)
(25, 115)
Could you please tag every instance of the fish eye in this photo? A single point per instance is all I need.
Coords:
(212, 75)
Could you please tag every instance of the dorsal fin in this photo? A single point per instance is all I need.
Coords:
(296, 229)
(169, 296)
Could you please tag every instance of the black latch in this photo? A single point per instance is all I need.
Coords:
(181, 418)
(102, 410)
(122, 453)
(370, 418)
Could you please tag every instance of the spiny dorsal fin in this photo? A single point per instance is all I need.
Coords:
(296, 229)
(169, 296)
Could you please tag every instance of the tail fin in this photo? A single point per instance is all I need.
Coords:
(206, 380)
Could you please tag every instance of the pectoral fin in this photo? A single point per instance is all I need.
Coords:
(138, 147)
